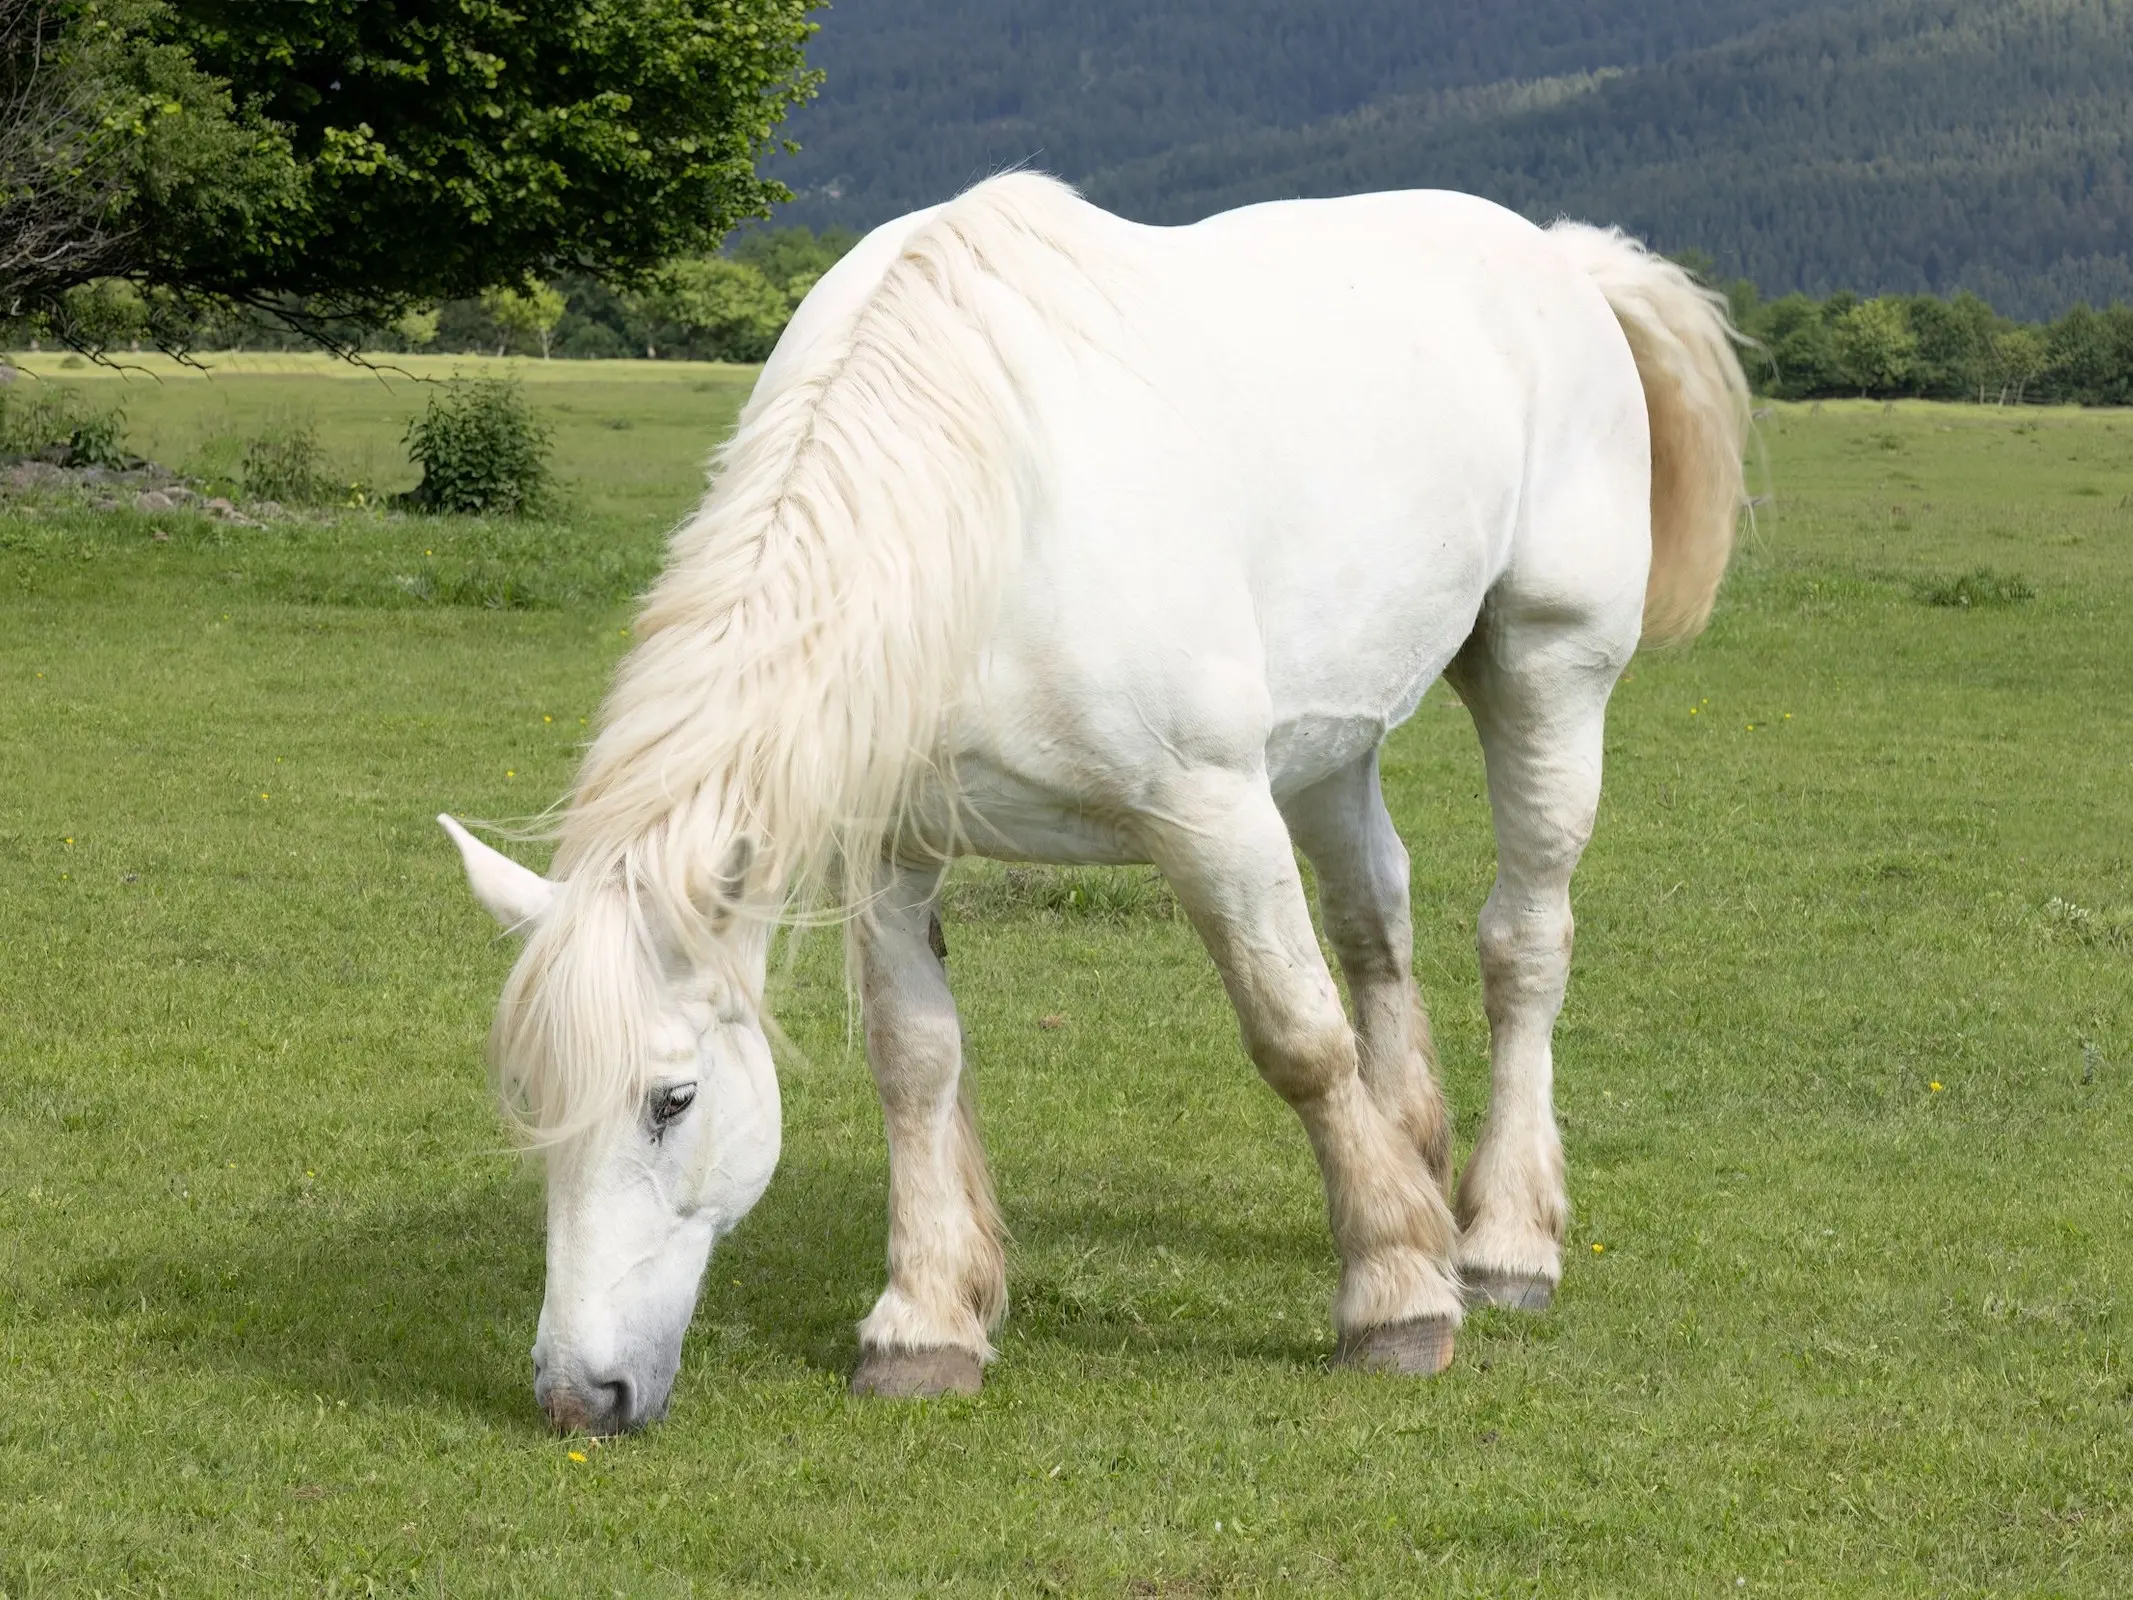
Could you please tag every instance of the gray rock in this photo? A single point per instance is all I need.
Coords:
(152, 500)
(220, 507)
(267, 508)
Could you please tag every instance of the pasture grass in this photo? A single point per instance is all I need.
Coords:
(1844, 1079)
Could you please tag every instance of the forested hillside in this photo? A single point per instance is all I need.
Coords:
(1881, 145)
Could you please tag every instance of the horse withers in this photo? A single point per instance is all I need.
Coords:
(1051, 537)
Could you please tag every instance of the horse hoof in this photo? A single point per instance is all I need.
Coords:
(917, 1374)
(1511, 1290)
(1418, 1348)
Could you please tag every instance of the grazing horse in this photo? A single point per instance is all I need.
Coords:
(1047, 536)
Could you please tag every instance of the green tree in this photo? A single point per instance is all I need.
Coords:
(115, 147)
(417, 329)
(2078, 354)
(794, 259)
(1875, 345)
(343, 159)
(531, 312)
(1802, 353)
(720, 308)
(2019, 358)
(1954, 355)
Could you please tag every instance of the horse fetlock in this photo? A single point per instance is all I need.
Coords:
(913, 1319)
(1391, 1286)
(1512, 1260)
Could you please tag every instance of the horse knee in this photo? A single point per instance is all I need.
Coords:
(1524, 952)
(1302, 1057)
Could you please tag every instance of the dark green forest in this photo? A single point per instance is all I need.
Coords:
(1881, 146)
(922, 96)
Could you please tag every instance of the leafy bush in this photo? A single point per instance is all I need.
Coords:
(1983, 587)
(56, 424)
(284, 462)
(98, 440)
(481, 451)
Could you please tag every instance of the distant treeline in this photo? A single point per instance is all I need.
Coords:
(1932, 349)
(732, 307)
(727, 307)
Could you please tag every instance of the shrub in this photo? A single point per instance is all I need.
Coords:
(56, 424)
(283, 462)
(481, 450)
(1984, 587)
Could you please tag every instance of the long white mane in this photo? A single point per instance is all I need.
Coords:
(795, 663)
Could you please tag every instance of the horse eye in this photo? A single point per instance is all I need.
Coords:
(669, 1104)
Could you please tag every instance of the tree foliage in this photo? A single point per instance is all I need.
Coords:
(531, 312)
(115, 147)
(345, 159)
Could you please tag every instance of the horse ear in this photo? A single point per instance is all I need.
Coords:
(727, 887)
(514, 895)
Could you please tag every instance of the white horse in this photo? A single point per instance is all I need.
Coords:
(1052, 537)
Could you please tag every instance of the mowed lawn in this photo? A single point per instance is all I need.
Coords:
(1846, 1079)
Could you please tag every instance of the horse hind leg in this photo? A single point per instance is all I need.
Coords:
(1538, 696)
(928, 1334)
(1342, 826)
(1229, 858)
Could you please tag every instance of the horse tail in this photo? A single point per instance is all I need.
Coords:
(1696, 397)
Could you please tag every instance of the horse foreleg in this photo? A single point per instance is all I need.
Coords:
(927, 1334)
(1223, 845)
(1343, 827)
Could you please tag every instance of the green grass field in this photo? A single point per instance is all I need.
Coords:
(1844, 1078)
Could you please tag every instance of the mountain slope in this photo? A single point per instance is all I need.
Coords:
(923, 96)
(1931, 145)
(1883, 145)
